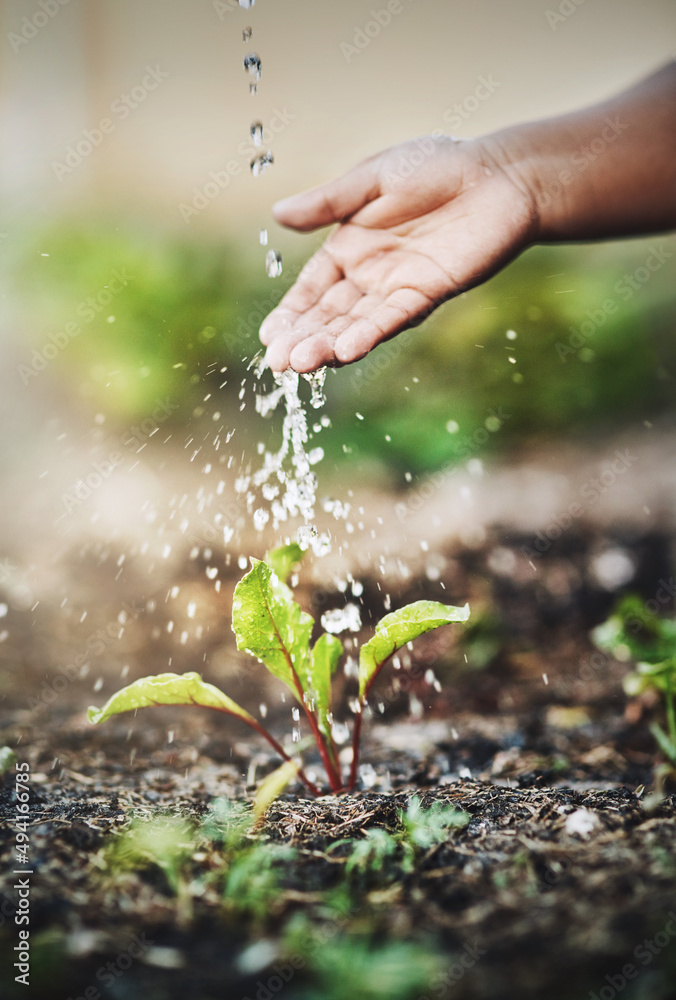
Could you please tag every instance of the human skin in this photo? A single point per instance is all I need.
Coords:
(427, 219)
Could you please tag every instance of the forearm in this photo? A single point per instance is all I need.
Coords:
(608, 171)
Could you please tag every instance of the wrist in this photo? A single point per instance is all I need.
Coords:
(537, 163)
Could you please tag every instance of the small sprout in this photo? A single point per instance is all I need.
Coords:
(632, 632)
(426, 828)
(271, 626)
(7, 760)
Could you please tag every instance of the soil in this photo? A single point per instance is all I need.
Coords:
(562, 883)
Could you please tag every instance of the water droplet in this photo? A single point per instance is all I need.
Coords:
(246, 34)
(256, 130)
(316, 380)
(252, 64)
(247, 4)
(339, 619)
(260, 518)
(273, 263)
(253, 88)
(316, 455)
(368, 775)
(263, 237)
(340, 732)
(261, 163)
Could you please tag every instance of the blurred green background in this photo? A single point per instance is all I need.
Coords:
(194, 290)
(537, 352)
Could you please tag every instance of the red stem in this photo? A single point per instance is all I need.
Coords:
(356, 734)
(283, 754)
(335, 779)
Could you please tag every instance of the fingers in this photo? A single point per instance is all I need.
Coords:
(402, 309)
(346, 337)
(291, 328)
(319, 275)
(332, 202)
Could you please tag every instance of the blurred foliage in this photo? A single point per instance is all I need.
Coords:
(439, 394)
(637, 632)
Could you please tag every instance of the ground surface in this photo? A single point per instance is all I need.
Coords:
(559, 881)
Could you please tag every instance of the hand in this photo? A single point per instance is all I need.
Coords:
(418, 223)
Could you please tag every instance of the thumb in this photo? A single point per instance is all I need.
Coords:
(332, 202)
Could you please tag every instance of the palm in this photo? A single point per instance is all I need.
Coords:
(408, 245)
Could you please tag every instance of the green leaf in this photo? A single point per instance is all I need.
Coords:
(283, 560)
(651, 676)
(272, 786)
(168, 689)
(322, 664)
(269, 624)
(632, 631)
(395, 630)
(665, 744)
(7, 760)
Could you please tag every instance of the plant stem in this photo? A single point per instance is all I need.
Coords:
(356, 734)
(671, 709)
(334, 779)
(284, 755)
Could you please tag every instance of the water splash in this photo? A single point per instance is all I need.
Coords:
(252, 64)
(291, 465)
(273, 263)
(316, 380)
(260, 164)
(337, 620)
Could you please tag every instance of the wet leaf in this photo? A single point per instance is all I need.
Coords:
(272, 786)
(168, 689)
(402, 626)
(322, 664)
(666, 745)
(269, 624)
(283, 560)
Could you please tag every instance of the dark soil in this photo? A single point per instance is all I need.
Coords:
(562, 883)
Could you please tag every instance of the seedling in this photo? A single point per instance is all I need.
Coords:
(419, 830)
(270, 625)
(633, 632)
